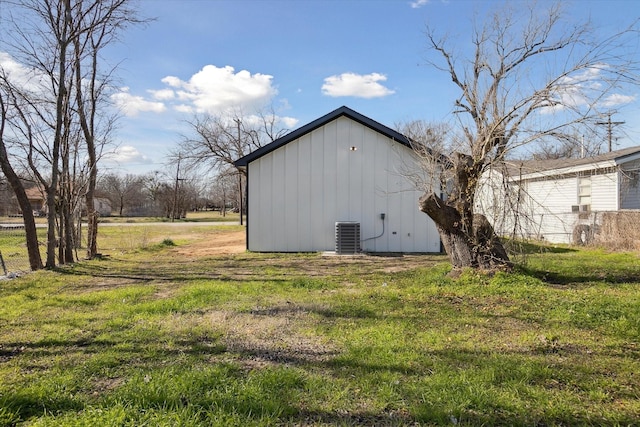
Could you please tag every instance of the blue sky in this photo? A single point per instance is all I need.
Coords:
(305, 57)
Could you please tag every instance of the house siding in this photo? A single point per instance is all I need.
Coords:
(550, 201)
(630, 186)
(604, 192)
(300, 190)
(545, 209)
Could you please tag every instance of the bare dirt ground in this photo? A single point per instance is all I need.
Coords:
(229, 242)
(220, 253)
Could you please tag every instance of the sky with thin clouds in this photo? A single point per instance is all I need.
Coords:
(304, 58)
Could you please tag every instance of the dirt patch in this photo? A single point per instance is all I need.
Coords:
(229, 242)
(273, 335)
(220, 254)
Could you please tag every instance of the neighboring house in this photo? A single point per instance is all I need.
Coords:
(341, 168)
(101, 204)
(37, 199)
(561, 201)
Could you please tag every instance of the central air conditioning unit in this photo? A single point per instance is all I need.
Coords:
(347, 237)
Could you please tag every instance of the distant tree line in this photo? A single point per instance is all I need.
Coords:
(160, 195)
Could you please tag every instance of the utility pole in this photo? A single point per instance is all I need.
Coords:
(175, 191)
(610, 125)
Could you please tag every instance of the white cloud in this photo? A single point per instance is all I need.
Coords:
(357, 85)
(131, 105)
(288, 122)
(618, 99)
(214, 90)
(23, 77)
(182, 108)
(126, 154)
(211, 90)
(585, 89)
(418, 3)
(163, 94)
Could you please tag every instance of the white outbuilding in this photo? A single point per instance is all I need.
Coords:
(341, 181)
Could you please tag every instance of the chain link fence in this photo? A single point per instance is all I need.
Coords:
(14, 259)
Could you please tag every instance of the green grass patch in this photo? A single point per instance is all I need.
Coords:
(146, 336)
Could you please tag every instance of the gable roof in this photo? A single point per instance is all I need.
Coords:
(35, 193)
(310, 127)
(538, 168)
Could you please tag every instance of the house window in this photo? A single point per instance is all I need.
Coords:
(584, 190)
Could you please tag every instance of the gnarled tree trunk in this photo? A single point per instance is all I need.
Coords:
(469, 243)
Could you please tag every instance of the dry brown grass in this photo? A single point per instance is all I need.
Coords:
(619, 231)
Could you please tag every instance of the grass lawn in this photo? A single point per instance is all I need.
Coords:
(161, 333)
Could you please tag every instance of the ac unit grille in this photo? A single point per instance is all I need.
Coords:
(347, 237)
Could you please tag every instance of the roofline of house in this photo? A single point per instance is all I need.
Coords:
(310, 127)
(566, 170)
(604, 161)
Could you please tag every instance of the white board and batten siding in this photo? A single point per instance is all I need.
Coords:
(340, 171)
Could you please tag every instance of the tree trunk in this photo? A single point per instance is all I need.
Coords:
(69, 243)
(92, 230)
(31, 233)
(476, 247)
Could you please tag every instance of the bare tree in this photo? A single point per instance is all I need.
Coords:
(33, 249)
(218, 141)
(223, 190)
(530, 75)
(98, 24)
(122, 191)
(64, 109)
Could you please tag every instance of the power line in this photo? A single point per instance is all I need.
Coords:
(610, 125)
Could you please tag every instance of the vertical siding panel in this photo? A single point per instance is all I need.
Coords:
(317, 219)
(394, 200)
(342, 170)
(304, 194)
(407, 192)
(381, 204)
(356, 137)
(370, 220)
(277, 202)
(263, 185)
(291, 196)
(254, 230)
(260, 186)
(330, 148)
(258, 235)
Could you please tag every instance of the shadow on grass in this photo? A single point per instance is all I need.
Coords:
(166, 272)
(528, 248)
(21, 407)
(581, 276)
